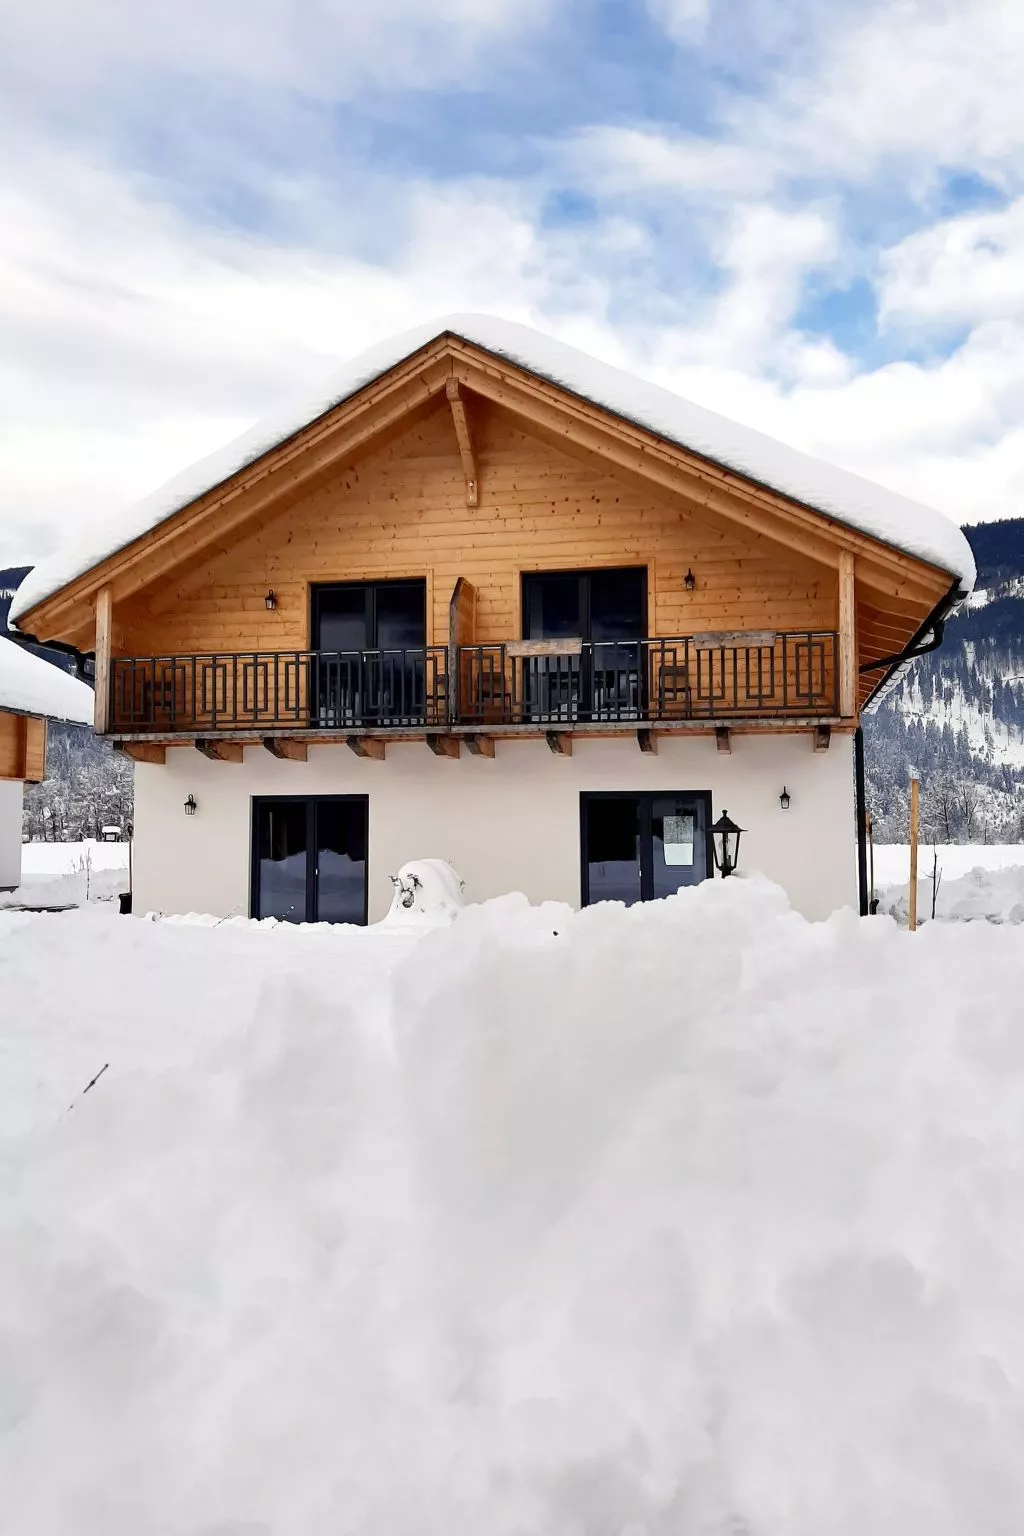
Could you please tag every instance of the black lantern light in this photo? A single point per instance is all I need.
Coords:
(784, 798)
(725, 844)
(689, 581)
(190, 806)
(271, 600)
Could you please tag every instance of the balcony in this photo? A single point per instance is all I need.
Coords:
(517, 685)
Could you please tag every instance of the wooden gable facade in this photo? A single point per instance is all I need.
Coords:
(464, 472)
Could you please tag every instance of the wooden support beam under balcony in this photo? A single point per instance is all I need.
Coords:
(647, 742)
(822, 738)
(480, 746)
(220, 751)
(444, 746)
(142, 751)
(723, 740)
(366, 746)
(560, 742)
(462, 432)
(286, 748)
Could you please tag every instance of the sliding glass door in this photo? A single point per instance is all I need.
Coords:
(309, 858)
(605, 610)
(370, 637)
(638, 847)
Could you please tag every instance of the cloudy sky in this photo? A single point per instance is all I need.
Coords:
(807, 214)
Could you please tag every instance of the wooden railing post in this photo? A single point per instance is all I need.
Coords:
(847, 636)
(104, 624)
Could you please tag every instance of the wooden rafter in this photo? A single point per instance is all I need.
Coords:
(142, 751)
(443, 746)
(462, 432)
(366, 746)
(480, 746)
(220, 751)
(284, 747)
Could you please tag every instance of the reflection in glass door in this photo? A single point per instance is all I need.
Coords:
(309, 858)
(639, 847)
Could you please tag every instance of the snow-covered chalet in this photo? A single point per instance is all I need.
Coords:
(486, 599)
(31, 692)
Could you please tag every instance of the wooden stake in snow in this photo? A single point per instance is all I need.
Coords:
(912, 908)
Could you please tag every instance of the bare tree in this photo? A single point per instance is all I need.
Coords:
(967, 800)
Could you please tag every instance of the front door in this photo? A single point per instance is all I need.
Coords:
(638, 847)
(607, 611)
(309, 858)
(370, 638)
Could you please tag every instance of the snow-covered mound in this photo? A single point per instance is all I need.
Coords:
(689, 1220)
(982, 895)
(885, 515)
(426, 891)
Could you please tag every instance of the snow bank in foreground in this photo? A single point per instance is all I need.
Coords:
(693, 1218)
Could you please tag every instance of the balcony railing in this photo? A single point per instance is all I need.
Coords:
(692, 678)
(270, 690)
(518, 683)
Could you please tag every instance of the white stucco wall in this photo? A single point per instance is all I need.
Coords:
(508, 823)
(11, 793)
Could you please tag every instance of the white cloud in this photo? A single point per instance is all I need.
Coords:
(960, 271)
(684, 20)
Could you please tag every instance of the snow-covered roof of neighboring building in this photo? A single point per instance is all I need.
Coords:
(31, 686)
(895, 520)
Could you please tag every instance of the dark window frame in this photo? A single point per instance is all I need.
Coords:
(646, 798)
(317, 589)
(583, 575)
(310, 802)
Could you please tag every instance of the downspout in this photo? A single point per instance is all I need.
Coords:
(860, 797)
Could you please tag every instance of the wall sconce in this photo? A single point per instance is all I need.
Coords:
(784, 798)
(271, 600)
(725, 843)
(190, 806)
(689, 581)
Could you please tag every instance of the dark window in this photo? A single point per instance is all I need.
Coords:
(637, 847)
(309, 858)
(607, 612)
(370, 637)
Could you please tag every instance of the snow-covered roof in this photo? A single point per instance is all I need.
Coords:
(31, 686)
(895, 520)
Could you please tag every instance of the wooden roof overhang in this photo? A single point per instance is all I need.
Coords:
(897, 594)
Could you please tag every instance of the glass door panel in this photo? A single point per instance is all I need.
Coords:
(310, 858)
(618, 621)
(340, 835)
(611, 830)
(399, 638)
(678, 843)
(280, 832)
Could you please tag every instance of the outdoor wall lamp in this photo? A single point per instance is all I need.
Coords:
(784, 798)
(271, 600)
(725, 844)
(190, 806)
(689, 581)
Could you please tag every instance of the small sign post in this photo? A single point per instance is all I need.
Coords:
(912, 902)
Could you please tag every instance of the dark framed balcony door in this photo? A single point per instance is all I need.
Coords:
(640, 847)
(607, 611)
(309, 858)
(370, 638)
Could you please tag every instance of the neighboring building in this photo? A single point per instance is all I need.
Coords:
(489, 600)
(31, 691)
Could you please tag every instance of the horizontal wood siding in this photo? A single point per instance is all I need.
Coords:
(22, 748)
(401, 512)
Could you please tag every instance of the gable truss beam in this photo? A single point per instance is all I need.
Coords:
(461, 420)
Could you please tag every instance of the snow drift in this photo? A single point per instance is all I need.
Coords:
(694, 1218)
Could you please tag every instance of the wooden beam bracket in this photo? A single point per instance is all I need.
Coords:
(366, 746)
(560, 742)
(822, 738)
(284, 747)
(142, 751)
(462, 432)
(723, 739)
(444, 746)
(480, 746)
(220, 751)
(647, 741)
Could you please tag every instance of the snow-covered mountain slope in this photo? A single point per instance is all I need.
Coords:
(958, 714)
